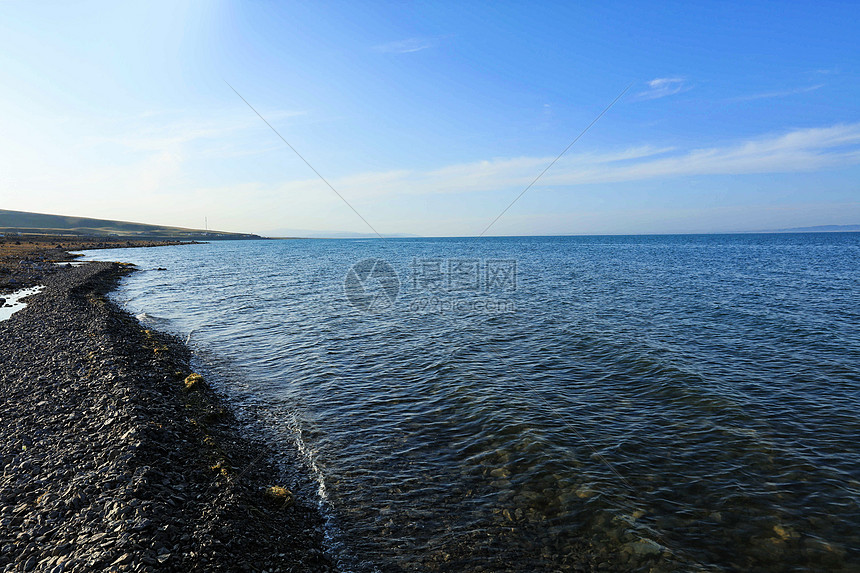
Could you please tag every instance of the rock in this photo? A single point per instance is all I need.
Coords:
(193, 381)
(785, 533)
(585, 491)
(643, 547)
(500, 473)
(279, 495)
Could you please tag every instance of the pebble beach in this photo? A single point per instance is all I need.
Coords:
(116, 456)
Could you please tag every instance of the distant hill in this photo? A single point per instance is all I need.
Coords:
(819, 229)
(38, 223)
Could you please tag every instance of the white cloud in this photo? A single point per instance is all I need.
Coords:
(308, 203)
(407, 46)
(662, 87)
(775, 94)
(799, 150)
(153, 183)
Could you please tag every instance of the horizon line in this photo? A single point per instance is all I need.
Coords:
(791, 231)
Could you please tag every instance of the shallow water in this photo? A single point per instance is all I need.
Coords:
(649, 403)
(14, 303)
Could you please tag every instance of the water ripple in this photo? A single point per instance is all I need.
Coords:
(646, 404)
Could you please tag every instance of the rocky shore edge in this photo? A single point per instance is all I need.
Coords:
(25, 259)
(115, 456)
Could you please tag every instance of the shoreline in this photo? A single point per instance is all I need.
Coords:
(116, 456)
(25, 259)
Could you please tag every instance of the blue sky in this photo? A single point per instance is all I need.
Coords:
(430, 118)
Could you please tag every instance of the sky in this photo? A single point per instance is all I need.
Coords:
(430, 118)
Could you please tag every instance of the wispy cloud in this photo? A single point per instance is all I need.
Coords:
(777, 94)
(156, 180)
(799, 150)
(663, 87)
(407, 46)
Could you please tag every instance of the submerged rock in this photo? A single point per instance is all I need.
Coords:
(585, 491)
(643, 547)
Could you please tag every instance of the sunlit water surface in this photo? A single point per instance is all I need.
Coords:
(629, 403)
(11, 302)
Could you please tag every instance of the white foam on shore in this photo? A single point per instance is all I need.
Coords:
(13, 301)
(311, 459)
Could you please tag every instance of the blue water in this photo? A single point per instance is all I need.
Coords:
(653, 403)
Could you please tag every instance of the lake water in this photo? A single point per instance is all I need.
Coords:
(650, 403)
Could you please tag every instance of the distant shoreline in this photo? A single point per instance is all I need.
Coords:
(26, 259)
